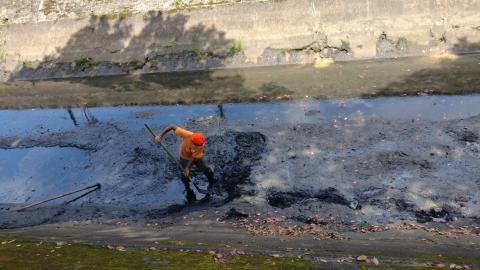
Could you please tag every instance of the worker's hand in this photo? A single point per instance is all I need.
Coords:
(158, 138)
(186, 172)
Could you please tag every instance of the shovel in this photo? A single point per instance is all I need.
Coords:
(175, 160)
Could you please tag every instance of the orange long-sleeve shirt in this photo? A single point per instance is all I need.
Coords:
(187, 148)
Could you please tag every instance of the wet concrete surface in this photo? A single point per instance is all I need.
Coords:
(446, 74)
(394, 249)
(397, 159)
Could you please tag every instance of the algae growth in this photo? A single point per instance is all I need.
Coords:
(31, 255)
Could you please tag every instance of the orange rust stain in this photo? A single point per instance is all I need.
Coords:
(5, 258)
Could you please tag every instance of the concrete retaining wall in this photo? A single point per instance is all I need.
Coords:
(241, 35)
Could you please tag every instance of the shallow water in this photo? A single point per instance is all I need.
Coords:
(31, 174)
(435, 108)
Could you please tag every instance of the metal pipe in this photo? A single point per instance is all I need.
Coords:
(96, 186)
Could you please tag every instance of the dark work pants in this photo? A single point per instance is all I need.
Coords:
(201, 165)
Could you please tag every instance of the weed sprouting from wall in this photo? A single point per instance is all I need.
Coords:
(236, 47)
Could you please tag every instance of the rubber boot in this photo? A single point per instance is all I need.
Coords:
(190, 194)
(211, 182)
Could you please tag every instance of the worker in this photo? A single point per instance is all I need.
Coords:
(191, 153)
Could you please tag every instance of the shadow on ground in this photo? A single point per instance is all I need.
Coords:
(452, 77)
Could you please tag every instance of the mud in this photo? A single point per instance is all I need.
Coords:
(234, 214)
(399, 165)
(233, 170)
(139, 181)
(287, 199)
(434, 214)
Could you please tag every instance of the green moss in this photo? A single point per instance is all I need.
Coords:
(4, 21)
(236, 47)
(48, 6)
(197, 52)
(117, 15)
(29, 255)
(85, 62)
(136, 64)
(447, 258)
(27, 64)
(420, 256)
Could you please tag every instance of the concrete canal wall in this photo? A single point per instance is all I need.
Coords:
(58, 39)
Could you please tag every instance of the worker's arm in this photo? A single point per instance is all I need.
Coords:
(159, 138)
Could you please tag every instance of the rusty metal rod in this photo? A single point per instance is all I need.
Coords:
(96, 186)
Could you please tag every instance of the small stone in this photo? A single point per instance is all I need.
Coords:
(375, 261)
(362, 258)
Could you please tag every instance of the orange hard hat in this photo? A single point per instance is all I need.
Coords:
(198, 139)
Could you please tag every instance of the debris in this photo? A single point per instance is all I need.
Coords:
(60, 243)
(362, 258)
(5, 258)
(353, 204)
(234, 214)
(218, 257)
(237, 252)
